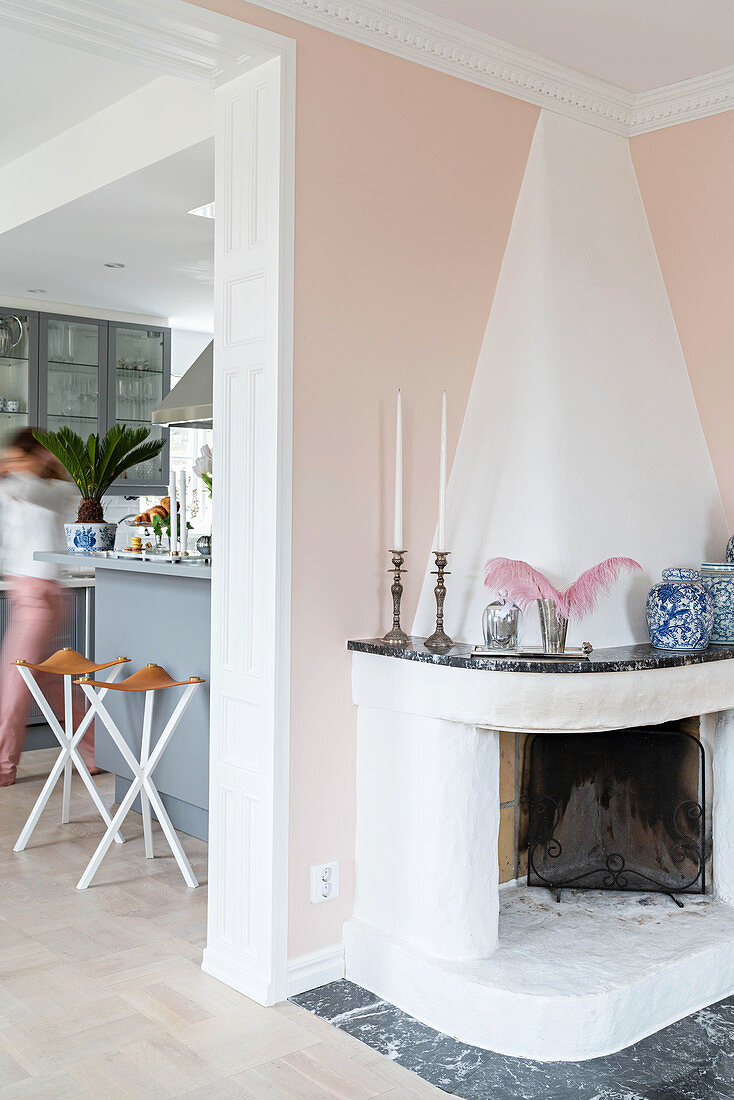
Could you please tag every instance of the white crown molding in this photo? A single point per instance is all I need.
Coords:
(180, 39)
(418, 36)
(686, 101)
(169, 36)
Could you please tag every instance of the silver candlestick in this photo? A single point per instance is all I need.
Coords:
(396, 635)
(440, 640)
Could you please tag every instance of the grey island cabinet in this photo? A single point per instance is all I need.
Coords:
(156, 612)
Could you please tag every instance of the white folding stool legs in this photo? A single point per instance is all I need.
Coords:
(69, 756)
(142, 783)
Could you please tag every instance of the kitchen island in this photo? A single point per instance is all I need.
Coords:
(155, 612)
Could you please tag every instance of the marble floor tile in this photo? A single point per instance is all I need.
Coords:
(692, 1059)
(335, 999)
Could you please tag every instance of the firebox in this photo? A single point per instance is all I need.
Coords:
(621, 810)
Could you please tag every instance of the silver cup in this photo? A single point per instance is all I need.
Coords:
(553, 627)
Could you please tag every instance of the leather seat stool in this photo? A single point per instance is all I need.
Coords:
(149, 680)
(67, 663)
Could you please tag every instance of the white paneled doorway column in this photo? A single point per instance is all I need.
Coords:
(246, 940)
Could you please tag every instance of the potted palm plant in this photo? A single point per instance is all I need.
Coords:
(93, 467)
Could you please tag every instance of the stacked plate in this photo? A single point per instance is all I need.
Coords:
(718, 578)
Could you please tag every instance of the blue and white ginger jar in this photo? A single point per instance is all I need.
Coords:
(718, 579)
(680, 611)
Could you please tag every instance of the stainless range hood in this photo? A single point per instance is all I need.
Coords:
(189, 404)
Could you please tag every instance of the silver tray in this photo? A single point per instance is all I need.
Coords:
(534, 652)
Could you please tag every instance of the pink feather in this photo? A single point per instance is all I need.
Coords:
(522, 583)
(581, 597)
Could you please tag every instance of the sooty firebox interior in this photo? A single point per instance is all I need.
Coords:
(621, 810)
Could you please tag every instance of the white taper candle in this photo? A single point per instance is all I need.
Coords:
(172, 501)
(441, 536)
(182, 497)
(397, 537)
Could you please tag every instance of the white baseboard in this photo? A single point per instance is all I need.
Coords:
(235, 976)
(315, 969)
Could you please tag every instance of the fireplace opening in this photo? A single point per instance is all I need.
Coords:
(621, 810)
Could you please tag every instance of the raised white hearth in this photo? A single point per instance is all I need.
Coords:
(511, 969)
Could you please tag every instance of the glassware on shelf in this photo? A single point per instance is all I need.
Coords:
(14, 372)
(72, 382)
(67, 393)
(11, 334)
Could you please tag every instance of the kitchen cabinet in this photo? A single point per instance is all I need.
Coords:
(18, 370)
(140, 376)
(87, 374)
(73, 369)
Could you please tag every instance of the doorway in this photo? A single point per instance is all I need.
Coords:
(252, 73)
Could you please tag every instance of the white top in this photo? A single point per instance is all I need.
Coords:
(33, 514)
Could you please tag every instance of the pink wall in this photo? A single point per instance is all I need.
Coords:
(406, 182)
(686, 176)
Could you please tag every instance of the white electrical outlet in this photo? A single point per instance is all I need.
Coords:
(324, 881)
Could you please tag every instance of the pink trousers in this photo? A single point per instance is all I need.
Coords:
(35, 613)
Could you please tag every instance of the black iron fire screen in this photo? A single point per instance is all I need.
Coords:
(623, 810)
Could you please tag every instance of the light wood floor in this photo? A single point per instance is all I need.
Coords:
(101, 991)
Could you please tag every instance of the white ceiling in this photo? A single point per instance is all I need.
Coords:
(47, 88)
(636, 44)
(141, 221)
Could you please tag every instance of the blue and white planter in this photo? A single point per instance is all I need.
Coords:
(85, 538)
(680, 611)
(718, 579)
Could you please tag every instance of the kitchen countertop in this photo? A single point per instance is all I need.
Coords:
(632, 658)
(130, 565)
(71, 580)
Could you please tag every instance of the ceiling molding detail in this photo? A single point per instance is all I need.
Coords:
(418, 36)
(183, 40)
(171, 37)
(698, 97)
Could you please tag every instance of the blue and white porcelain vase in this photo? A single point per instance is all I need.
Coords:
(680, 611)
(85, 538)
(718, 579)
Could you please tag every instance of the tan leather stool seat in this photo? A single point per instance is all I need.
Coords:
(150, 678)
(67, 662)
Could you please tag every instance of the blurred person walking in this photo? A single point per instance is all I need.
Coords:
(35, 494)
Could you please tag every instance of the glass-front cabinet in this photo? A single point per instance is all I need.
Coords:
(74, 371)
(18, 370)
(140, 375)
(87, 374)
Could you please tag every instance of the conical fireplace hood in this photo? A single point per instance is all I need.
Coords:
(581, 438)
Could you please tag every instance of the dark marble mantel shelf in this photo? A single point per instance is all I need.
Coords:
(632, 658)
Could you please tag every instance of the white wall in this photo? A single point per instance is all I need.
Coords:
(186, 346)
(581, 438)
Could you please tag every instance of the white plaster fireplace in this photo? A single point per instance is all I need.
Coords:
(510, 969)
(581, 439)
